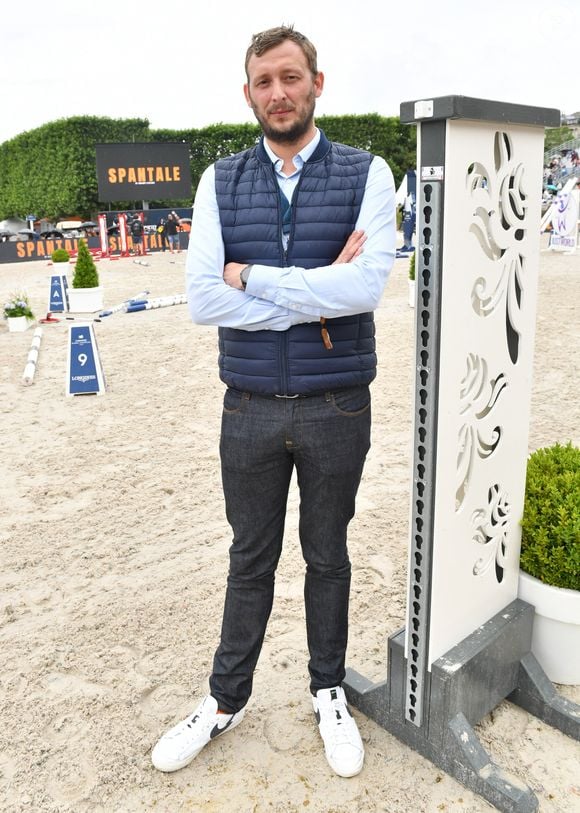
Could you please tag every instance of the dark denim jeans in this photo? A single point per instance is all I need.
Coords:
(327, 438)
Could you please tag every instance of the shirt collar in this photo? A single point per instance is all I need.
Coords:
(300, 158)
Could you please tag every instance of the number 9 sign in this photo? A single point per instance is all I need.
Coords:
(85, 375)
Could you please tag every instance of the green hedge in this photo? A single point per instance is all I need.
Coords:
(51, 171)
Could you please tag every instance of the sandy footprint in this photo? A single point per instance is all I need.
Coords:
(72, 778)
(65, 729)
(68, 683)
(164, 701)
(285, 730)
(281, 624)
(285, 657)
(121, 657)
(156, 664)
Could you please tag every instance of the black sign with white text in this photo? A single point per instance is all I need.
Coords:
(143, 171)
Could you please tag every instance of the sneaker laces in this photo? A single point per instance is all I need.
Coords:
(340, 721)
(190, 722)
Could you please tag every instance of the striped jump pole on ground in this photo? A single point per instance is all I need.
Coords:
(159, 302)
(137, 298)
(30, 369)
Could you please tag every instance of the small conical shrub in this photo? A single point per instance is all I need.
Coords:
(60, 255)
(86, 274)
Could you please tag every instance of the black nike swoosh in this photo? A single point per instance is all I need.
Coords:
(216, 730)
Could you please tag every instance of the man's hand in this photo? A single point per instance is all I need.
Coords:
(232, 273)
(352, 248)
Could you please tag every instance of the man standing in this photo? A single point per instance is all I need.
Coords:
(137, 230)
(172, 232)
(292, 243)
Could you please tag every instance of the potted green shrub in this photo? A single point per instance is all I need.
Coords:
(86, 295)
(60, 256)
(412, 280)
(550, 559)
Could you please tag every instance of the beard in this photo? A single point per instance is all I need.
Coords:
(288, 134)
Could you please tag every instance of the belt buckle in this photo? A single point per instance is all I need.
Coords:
(287, 396)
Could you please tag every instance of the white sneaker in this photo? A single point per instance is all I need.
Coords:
(182, 743)
(342, 742)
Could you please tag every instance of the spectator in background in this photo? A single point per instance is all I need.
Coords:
(136, 229)
(409, 217)
(162, 232)
(172, 231)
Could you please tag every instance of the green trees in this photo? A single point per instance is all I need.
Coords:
(556, 136)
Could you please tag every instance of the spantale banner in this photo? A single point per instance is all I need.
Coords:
(143, 171)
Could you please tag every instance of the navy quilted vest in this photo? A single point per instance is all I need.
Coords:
(325, 208)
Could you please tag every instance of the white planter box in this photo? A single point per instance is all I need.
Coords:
(85, 300)
(411, 292)
(556, 636)
(18, 324)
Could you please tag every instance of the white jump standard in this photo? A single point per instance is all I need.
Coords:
(467, 641)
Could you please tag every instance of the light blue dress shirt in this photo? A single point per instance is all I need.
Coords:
(277, 298)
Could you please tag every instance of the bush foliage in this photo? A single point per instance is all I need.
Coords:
(51, 170)
(60, 255)
(86, 274)
(551, 521)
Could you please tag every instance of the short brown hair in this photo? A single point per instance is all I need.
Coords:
(265, 40)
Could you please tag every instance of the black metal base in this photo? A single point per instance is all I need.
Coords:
(490, 665)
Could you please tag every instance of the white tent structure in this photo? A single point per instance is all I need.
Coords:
(13, 224)
(403, 190)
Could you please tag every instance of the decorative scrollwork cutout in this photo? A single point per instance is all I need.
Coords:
(499, 225)
(478, 396)
(491, 527)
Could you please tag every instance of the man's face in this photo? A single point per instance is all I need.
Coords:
(281, 91)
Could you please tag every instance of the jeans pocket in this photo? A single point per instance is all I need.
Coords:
(352, 402)
(232, 401)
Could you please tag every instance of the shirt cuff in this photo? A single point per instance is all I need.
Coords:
(263, 282)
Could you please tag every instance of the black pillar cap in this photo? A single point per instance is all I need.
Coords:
(464, 107)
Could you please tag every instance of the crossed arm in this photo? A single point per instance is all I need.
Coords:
(352, 248)
(276, 298)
